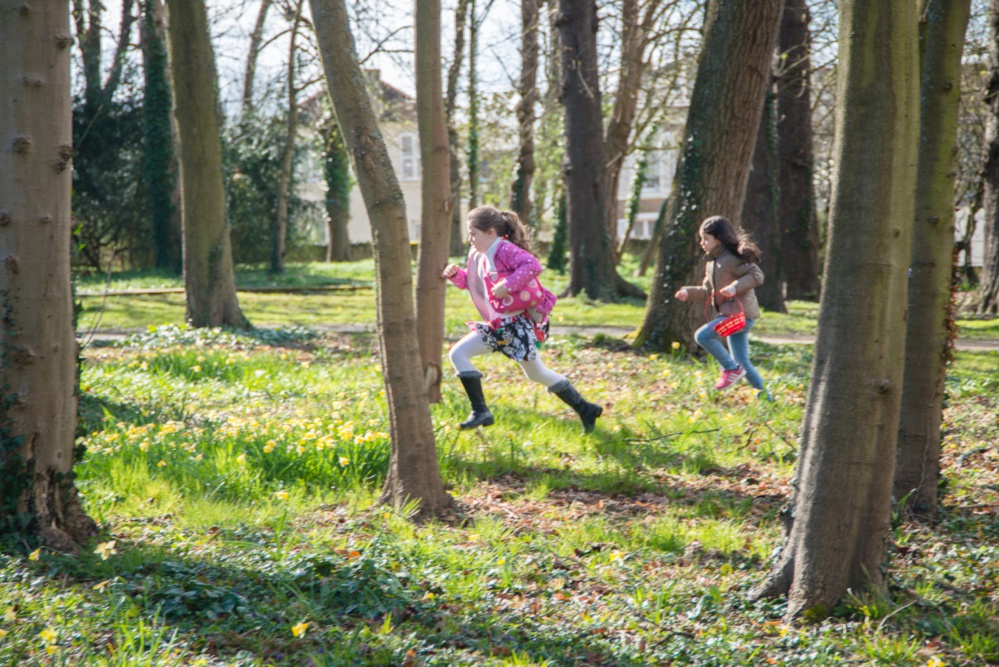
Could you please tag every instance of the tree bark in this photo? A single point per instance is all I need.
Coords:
(842, 502)
(160, 159)
(987, 298)
(520, 191)
(256, 44)
(435, 191)
(797, 211)
(279, 238)
(473, 107)
(38, 352)
(733, 73)
(413, 471)
(336, 169)
(759, 212)
(451, 98)
(209, 279)
(928, 342)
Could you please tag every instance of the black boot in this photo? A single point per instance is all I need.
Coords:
(472, 382)
(588, 412)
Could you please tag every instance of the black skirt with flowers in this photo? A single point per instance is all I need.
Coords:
(516, 337)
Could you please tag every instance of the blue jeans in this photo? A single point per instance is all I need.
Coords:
(737, 353)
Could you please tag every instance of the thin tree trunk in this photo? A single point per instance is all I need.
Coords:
(256, 41)
(279, 239)
(520, 191)
(473, 107)
(336, 169)
(987, 297)
(797, 212)
(759, 212)
(928, 334)
(37, 344)
(435, 194)
(209, 280)
(451, 102)
(413, 472)
(733, 73)
(160, 156)
(842, 503)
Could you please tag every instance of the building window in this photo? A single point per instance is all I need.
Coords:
(410, 157)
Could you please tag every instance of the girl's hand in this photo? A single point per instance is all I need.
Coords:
(449, 271)
(500, 290)
(681, 294)
(727, 292)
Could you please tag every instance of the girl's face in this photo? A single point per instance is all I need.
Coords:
(481, 239)
(709, 242)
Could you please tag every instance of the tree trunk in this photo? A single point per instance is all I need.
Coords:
(256, 43)
(842, 503)
(635, 31)
(473, 107)
(209, 280)
(453, 73)
(759, 212)
(336, 169)
(413, 472)
(435, 194)
(279, 237)
(733, 72)
(928, 335)
(797, 212)
(987, 298)
(160, 159)
(520, 191)
(38, 351)
(592, 267)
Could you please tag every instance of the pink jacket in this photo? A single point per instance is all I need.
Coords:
(503, 261)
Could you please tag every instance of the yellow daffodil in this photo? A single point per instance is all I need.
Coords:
(50, 649)
(198, 457)
(101, 586)
(241, 458)
(675, 345)
(281, 495)
(935, 662)
(105, 549)
(36, 554)
(617, 555)
(161, 464)
(144, 445)
(653, 357)
(48, 635)
(344, 461)
(269, 446)
(429, 596)
(3, 633)
(196, 368)
(299, 629)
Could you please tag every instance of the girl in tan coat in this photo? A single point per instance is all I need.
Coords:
(732, 271)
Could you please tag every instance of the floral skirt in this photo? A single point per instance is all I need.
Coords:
(517, 337)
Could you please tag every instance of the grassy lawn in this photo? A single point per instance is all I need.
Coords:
(235, 479)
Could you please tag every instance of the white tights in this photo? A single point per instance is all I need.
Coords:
(472, 345)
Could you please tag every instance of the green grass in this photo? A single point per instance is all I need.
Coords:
(238, 477)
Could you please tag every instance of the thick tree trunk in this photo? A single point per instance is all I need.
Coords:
(209, 279)
(759, 212)
(842, 503)
(38, 350)
(928, 335)
(451, 100)
(987, 298)
(336, 169)
(435, 194)
(592, 267)
(733, 73)
(161, 166)
(797, 212)
(520, 191)
(256, 43)
(413, 471)
(279, 237)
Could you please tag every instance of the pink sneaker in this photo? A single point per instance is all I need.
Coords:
(729, 378)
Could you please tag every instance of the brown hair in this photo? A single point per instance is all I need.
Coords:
(739, 244)
(506, 224)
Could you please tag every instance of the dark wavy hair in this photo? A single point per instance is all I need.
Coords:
(506, 223)
(737, 243)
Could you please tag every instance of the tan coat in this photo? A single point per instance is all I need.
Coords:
(723, 269)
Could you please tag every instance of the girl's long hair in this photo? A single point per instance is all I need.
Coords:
(506, 224)
(739, 244)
